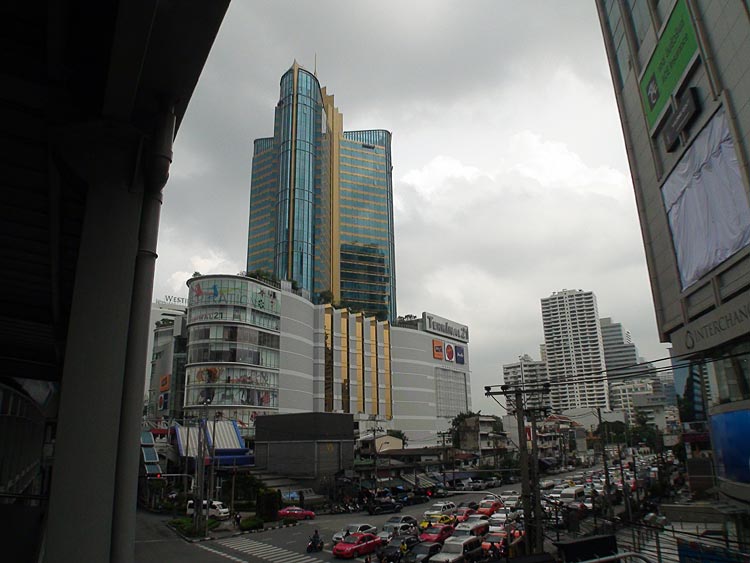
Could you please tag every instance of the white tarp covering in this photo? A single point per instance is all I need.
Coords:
(707, 203)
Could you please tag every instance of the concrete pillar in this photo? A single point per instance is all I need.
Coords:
(85, 466)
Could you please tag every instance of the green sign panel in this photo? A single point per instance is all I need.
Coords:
(675, 51)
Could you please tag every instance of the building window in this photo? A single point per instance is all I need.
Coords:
(640, 17)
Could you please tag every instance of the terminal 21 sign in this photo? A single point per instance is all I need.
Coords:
(444, 327)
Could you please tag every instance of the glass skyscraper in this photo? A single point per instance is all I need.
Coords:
(321, 202)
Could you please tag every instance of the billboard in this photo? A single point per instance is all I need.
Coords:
(731, 447)
(164, 381)
(437, 349)
(450, 352)
(460, 355)
(673, 56)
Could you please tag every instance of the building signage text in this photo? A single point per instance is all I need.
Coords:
(713, 329)
(673, 56)
(438, 325)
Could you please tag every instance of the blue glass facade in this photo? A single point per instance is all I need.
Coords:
(321, 205)
(368, 280)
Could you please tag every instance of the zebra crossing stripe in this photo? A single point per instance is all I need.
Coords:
(217, 552)
(265, 551)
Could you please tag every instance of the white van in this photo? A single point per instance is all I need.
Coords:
(573, 494)
(217, 510)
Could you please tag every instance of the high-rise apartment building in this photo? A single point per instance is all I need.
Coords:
(681, 76)
(574, 350)
(531, 375)
(620, 354)
(321, 202)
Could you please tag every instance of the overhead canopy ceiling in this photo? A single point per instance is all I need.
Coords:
(66, 65)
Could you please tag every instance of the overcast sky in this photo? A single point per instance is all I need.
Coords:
(510, 175)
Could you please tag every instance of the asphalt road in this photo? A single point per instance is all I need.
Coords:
(155, 543)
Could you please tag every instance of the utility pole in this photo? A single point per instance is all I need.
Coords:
(444, 435)
(607, 498)
(530, 495)
(537, 497)
(375, 430)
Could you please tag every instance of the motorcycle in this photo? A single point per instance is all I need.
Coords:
(312, 545)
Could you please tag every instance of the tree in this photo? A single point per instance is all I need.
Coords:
(615, 431)
(325, 296)
(400, 435)
(456, 425)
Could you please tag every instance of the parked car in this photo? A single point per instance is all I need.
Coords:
(390, 531)
(297, 513)
(446, 507)
(437, 533)
(431, 519)
(463, 512)
(497, 521)
(477, 485)
(489, 507)
(512, 502)
(460, 550)
(356, 544)
(472, 528)
(382, 506)
(497, 539)
(402, 519)
(422, 552)
(392, 551)
(215, 510)
(354, 529)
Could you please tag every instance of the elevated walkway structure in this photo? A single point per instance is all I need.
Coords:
(229, 450)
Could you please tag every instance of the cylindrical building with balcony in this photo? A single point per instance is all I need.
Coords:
(233, 349)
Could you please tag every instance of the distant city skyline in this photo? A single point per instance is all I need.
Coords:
(510, 178)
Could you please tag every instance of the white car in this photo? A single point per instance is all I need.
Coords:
(497, 521)
(441, 508)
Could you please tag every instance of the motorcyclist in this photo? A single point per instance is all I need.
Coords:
(316, 539)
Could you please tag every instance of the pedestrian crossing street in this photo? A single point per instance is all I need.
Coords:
(257, 549)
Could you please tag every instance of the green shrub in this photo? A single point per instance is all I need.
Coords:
(251, 523)
(184, 525)
(287, 521)
(244, 505)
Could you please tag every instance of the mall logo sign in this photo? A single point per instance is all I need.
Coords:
(438, 325)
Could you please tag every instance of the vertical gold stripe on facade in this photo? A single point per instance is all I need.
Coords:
(387, 370)
(375, 409)
(360, 355)
(328, 370)
(345, 401)
(335, 131)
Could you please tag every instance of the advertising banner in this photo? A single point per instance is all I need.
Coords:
(460, 355)
(164, 381)
(450, 353)
(437, 349)
(730, 445)
(163, 401)
(673, 56)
